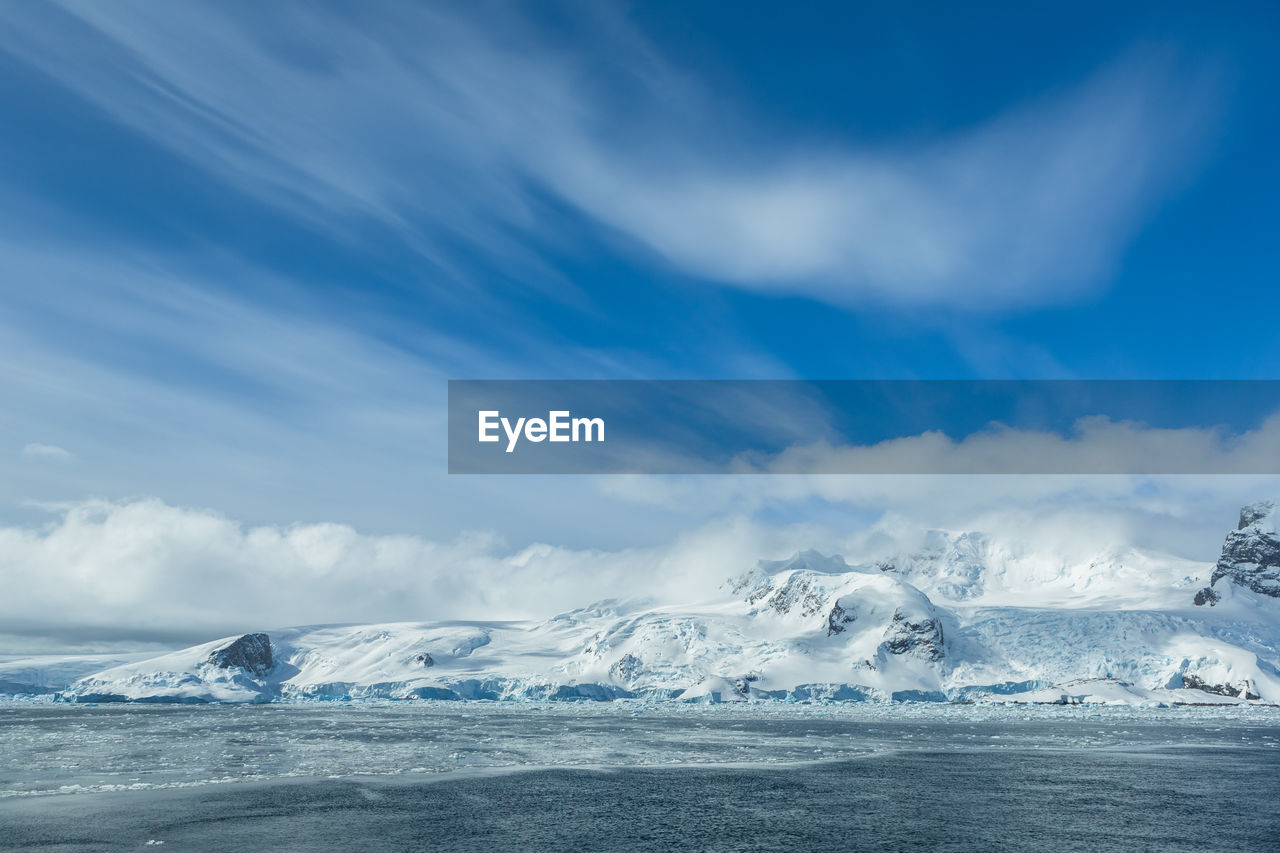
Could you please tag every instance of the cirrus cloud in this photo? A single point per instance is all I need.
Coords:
(35, 450)
(445, 125)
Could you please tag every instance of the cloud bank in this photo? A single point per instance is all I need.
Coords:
(1094, 445)
(104, 575)
(142, 570)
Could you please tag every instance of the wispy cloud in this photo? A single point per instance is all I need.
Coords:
(1032, 207)
(441, 125)
(35, 450)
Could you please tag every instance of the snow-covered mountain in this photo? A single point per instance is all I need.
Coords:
(961, 617)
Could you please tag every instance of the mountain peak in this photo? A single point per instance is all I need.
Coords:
(1260, 514)
(809, 561)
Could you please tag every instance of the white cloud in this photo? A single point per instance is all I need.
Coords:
(46, 451)
(145, 568)
(1031, 207)
(110, 573)
(434, 122)
(1094, 445)
(930, 480)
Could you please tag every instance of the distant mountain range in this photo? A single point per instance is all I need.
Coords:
(963, 618)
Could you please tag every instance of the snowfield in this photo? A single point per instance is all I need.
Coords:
(962, 619)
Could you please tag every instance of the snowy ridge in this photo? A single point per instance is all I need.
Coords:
(50, 673)
(960, 618)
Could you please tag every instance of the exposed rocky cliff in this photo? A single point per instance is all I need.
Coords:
(921, 637)
(1244, 690)
(252, 653)
(1250, 556)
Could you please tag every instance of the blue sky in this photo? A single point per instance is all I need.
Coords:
(244, 247)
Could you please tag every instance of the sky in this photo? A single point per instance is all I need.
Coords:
(243, 247)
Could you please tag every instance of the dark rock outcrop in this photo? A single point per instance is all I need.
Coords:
(1242, 691)
(1255, 512)
(799, 592)
(802, 590)
(1207, 596)
(252, 653)
(1250, 556)
(626, 668)
(837, 619)
(922, 638)
(425, 659)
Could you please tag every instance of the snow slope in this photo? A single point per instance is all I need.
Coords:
(963, 617)
(37, 674)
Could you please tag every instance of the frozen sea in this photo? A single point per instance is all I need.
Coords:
(624, 776)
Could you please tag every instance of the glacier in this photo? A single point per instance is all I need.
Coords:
(963, 618)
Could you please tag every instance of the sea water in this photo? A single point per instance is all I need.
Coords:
(623, 776)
